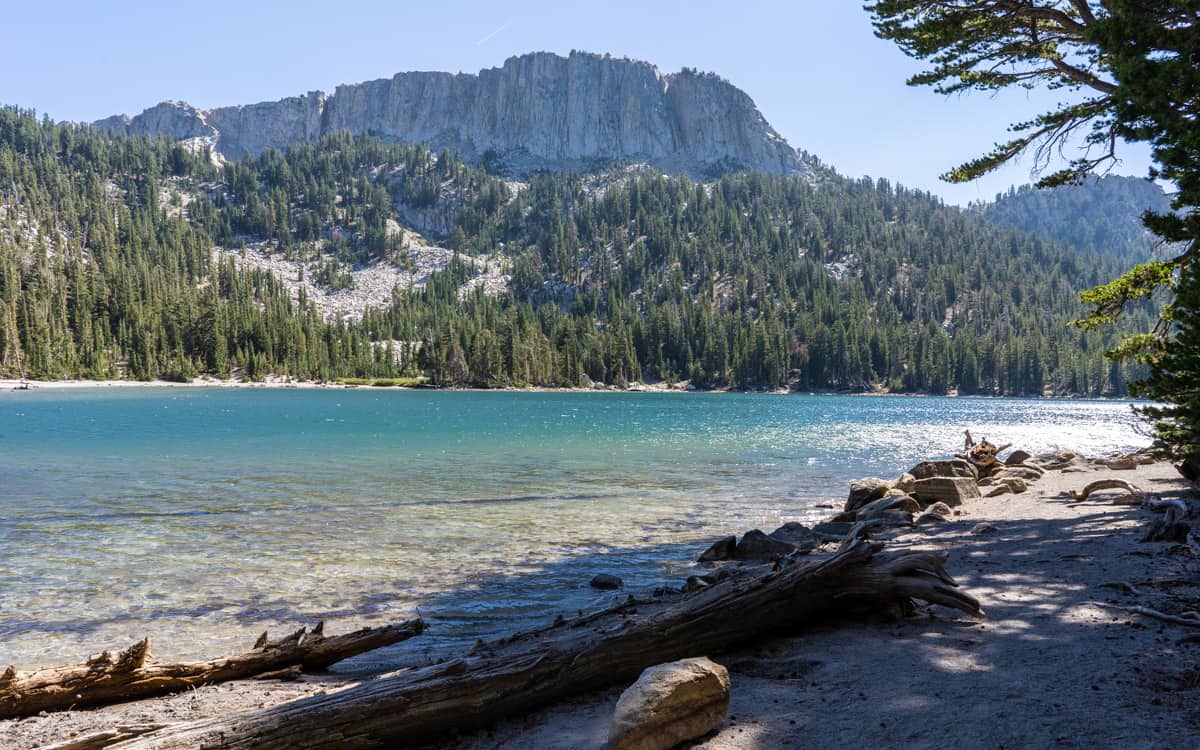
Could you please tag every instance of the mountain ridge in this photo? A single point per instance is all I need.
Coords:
(536, 111)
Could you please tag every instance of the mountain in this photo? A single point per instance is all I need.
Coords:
(537, 111)
(130, 257)
(1101, 215)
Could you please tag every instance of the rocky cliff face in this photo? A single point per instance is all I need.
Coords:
(537, 111)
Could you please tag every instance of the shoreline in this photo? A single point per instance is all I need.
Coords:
(1046, 664)
(289, 384)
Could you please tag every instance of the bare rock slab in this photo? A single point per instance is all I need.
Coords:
(669, 704)
(863, 491)
(953, 491)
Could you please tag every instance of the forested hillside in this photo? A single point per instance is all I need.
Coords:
(1101, 215)
(107, 269)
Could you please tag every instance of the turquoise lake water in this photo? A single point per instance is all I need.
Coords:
(201, 517)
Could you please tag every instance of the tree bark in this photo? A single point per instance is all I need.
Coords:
(575, 657)
(133, 675)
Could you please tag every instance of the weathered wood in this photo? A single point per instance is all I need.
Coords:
(103, 738)
(1105, 484)
(134, 675)
(548, 665)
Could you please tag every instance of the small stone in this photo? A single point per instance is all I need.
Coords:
(694, 583)
(670, 704)
(606, 581)
(998, 490)
(983, 528)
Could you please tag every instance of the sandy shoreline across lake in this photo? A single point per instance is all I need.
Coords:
(1046, 669)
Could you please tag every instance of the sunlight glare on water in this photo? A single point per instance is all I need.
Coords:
(201, 517)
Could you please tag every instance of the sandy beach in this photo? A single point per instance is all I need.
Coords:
(1049, 667)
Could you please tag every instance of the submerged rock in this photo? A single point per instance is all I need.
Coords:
(670, 704)
(606, 581)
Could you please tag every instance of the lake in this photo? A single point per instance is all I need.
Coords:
(202, 516)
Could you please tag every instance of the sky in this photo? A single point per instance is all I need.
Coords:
(814, 67)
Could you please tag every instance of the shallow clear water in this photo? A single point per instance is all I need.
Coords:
(201, 517)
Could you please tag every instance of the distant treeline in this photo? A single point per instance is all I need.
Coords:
(107, 270)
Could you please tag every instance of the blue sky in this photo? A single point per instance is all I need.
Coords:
(813, 66)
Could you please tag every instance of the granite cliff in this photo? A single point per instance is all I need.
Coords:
(537, 111)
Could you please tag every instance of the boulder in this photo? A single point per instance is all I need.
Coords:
(694, 583)
(940, 509)
(670, 704)
(927, 518)
(889, 502)
(998, 490)
(863, 491)
(1027, 473)
(756, 545)
(1016, 484)
(890, 518)
(1060, 461)
(1018, 457)
(722, 549)
(832, 531)
(955, 467)
(906, 483)
(953, 491)
(798, 535)
(606, 581)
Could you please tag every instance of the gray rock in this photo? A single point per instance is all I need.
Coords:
(955, 467)
(940, 509)
(606, 581)
(953, 491)
(832, 531)
(796, 534)
(983, 528)
(722, 549)
(906, 483)
(1018, 457)
(863, 491)
(929, 519)
(537, 111)
(887, 503)
(670, 704)
(695, 583)
(1026, 473)
(755, 545)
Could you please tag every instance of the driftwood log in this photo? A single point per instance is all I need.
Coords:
(133, 674)
(982, 454)
(1101, 485)
(575, 657)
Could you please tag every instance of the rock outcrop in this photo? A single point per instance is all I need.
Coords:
(537, 111)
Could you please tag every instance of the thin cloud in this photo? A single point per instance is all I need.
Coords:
(489, 36)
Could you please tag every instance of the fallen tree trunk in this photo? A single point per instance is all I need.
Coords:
(133, 675)
(580, 656)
